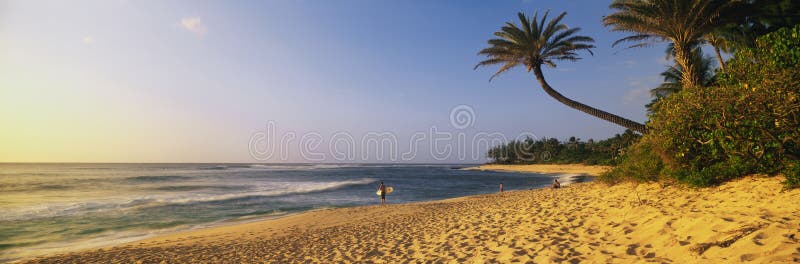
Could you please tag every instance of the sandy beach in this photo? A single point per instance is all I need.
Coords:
(749, 219)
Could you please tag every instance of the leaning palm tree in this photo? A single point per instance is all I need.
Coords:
(534, 43)
(682, 22)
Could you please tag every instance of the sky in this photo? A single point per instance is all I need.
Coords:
(293, 81)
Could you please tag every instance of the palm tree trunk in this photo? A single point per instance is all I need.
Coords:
(719, 58)
(683, 58)
(585, 108)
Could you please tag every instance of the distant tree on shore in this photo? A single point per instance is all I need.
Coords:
(536, 42)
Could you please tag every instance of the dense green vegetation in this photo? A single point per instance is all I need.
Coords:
(707, 124)
(573, 150)
(748, 123)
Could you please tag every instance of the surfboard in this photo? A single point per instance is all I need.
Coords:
(389, 190)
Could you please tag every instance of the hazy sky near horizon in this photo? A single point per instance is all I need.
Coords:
(193, 81)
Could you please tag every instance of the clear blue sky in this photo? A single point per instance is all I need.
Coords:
(191, 81)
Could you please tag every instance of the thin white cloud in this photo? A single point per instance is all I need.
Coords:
(636, 95)
(630, 63)
(640, 90)
(664, 61)
(88, 40)
(194, 25)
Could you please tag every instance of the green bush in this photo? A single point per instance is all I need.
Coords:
(775, 54)
(749, 123)
(792, 173)
(747, 130)
(639, 163)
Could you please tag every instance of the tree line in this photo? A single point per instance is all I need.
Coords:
(572, 150)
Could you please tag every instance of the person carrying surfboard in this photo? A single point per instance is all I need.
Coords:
(382, 190)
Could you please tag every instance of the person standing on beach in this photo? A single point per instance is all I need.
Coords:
(556, 184)
(382, 190)
(501, 187)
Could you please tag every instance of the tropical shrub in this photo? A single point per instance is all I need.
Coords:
(776, 57)
(639, 163)
(749, 123)
(792, 173)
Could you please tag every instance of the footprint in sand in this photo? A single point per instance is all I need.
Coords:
(747, 257)
(758, 237)
(632, 249)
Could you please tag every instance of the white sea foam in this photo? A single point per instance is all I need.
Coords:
(299, 166)
(568, 178)
(299, 188)
(139, 201)
(333, 166)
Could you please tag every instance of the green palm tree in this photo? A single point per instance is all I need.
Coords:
(704, 65)
(539, 42)
(672, 78)
(682, 22)
(719, 44)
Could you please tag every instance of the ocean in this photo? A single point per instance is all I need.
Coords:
(50, 208)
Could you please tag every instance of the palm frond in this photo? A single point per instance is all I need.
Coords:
(509, 65)
(534, 42)
(684, 23)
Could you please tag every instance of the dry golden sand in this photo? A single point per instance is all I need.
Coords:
(749, 219)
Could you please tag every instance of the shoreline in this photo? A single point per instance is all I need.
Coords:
(590, 170)
(569, 171)
(126, 237)
(566, 173)
(582, 222)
